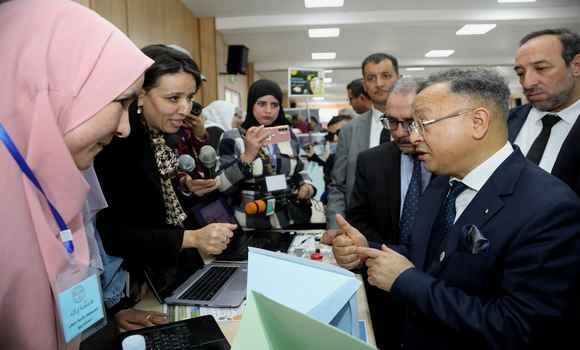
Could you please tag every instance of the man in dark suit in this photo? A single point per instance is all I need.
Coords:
(380, 71)
(494, 258)
(389, 180)
(547, 129)
(389, 170)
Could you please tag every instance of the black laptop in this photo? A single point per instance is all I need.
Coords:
(199, 333)
(216, 210)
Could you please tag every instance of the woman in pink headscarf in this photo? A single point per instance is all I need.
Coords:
(68, 77)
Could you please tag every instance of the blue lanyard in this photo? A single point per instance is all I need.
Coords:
(65, 233)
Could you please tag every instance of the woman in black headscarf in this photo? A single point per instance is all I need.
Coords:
(251, 165)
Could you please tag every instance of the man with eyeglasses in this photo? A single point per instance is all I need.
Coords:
(548, 128)
(494, 256)
(384, 202)
(380, 71)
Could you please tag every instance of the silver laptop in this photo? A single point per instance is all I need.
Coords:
(218, 284)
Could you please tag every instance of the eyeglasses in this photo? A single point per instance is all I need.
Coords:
(393, 123)
(419, 125)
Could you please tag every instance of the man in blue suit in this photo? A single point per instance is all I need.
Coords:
(547, 130)
(494, 258)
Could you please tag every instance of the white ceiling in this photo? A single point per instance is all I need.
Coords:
(276, 32)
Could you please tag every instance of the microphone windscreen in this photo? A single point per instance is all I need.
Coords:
(186, 163)
(172, 141)
(255, 207)
(208, 156)
(134, 342)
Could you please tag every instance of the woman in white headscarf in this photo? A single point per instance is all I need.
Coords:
(218, 119)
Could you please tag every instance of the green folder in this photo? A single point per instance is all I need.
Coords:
(268, 325)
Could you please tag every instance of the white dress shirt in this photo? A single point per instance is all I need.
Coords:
(478, 177)
(533, 126)
(376, 128)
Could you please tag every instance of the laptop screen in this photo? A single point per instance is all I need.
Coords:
(214, 212)
(164, 282)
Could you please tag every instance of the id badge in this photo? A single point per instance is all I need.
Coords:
(79, 302)
(276, 183)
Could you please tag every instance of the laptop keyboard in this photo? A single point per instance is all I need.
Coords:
(178, 337)
(210, 283)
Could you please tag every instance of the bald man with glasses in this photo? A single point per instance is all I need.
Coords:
(494, 256)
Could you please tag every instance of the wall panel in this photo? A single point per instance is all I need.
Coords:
(115, 11)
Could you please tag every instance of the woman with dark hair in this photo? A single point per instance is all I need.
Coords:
(146, 222)
(250, 166)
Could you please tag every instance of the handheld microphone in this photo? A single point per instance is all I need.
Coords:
(186, 163)
(257, 206)
(208, 157)
(172, 141)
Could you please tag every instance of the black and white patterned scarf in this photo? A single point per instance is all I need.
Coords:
(167, 164)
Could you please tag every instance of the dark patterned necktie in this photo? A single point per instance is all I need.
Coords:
(411, 204)
(539, 146)
(445, 219)
(385, 136)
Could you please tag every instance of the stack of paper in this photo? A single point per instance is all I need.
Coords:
(268, 325)
(325, 292)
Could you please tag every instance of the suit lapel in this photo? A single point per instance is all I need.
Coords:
(485, 205)
(365, 134)
(482, 208)
(516, 121)
(566, 166)
(428, 208)
(394, 183)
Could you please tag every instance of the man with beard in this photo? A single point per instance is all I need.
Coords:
(547, 130)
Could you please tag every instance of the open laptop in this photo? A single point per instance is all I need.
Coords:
(200, 333)
(221, 283)
(216, 210)
(217, 284)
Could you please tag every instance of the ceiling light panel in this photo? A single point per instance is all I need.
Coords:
(439, 53)
(513, 1)
(323, 55)
(323, 3)
(323, 32)
(475, 29)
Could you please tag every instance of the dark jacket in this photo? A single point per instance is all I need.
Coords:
(375, 203)
(374, 209)
(567, 166)
(133, 226)
(518, 292)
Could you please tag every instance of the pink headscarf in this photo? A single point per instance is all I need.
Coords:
(60, 64)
